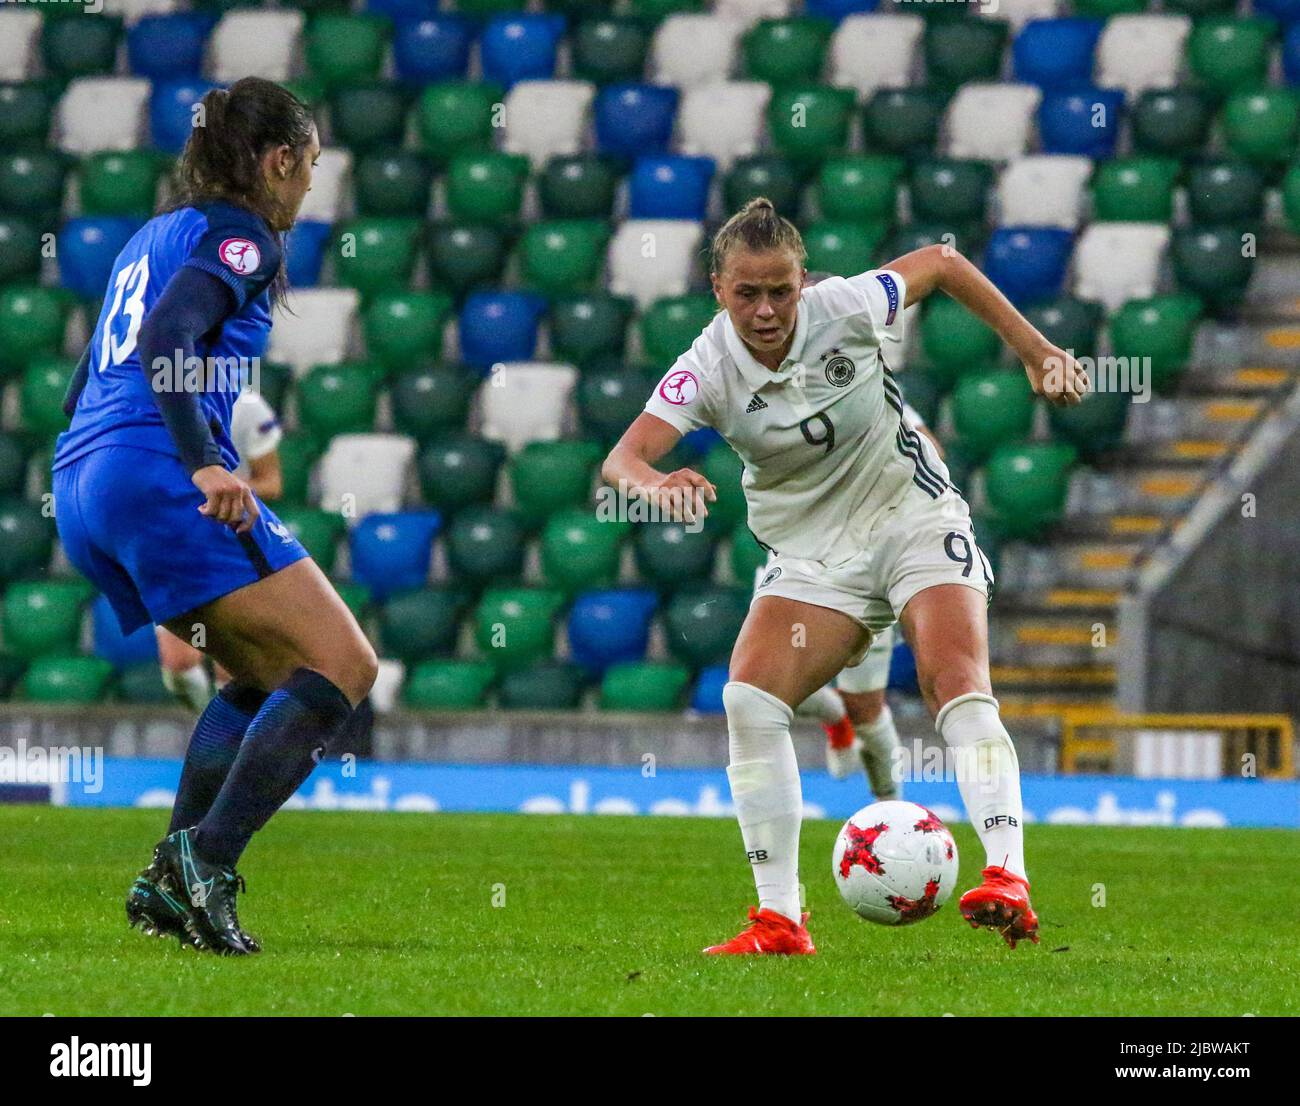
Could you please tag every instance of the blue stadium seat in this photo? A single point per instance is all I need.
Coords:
(520, 47)
(633, 119)
(400, 10)
(169, 111)
(118, 649)
(838, 9)
(668, 187)
(392, 552)
(87, 248)
(1066, 121)
(707, 695)
(306, 252)
(163, 47)
(1291, 54)
(1286, 12)
(698, 442)
(1056, 53)
(499, 326)
(1028, 263)
(433, 49)
(902, 669)
(606, 627)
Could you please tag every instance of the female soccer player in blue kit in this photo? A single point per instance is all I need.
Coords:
(149, 507)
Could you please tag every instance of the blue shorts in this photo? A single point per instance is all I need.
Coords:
(129, 521)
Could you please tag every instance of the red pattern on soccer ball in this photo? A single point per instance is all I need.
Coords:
(913, 910)
(929, 824)
(861, 849)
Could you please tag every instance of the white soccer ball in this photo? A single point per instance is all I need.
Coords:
(895, 863)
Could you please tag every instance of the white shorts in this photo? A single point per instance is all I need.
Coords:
(920, 543)
(872, 672)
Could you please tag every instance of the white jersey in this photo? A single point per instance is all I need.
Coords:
(826, 448)
(254, 429)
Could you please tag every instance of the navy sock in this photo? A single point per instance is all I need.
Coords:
(282, 746)
(212, 750)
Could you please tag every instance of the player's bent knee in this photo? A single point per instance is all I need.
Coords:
(972, 721)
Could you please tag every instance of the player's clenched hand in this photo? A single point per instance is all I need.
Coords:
(681, 495)
(1056, 376)
(229, 499)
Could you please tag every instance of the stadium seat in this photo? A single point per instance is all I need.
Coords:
(88, 247)
(13, 468)
(545, 119)
(547, 477)
(902, 121)
(1161, 328)
(405, 328)
(1108, 9)
(457, 470)
(25, 113)
(20, 250)
(454, 117)
(1028, 263)
(1230, 54)
(165, 47)
(1044, 190)
(610, 627)
(546, 685)
(120, 183)
(319, 531)
(706, 697)
(1056, 53)
(317, 332)
(1081, 121)
(1135, 189)
(749, 12)
(609, 399)
(448, 685)
(20, 36)
(1211, 262)
(463, 256)
(1026, 484)
(520, 47)
(1019, 13)
(643, 686)
(1141, 52)
(1095, 427)
(432, 48)
(608, 49)
(954, 340)
(809, 123)
(989, 408)
(392, 553)
(723, 121)
(860, 187)
(336, 399)
(376, 254)
(786, 51)
(870, 52)
(701, 624)
(670, 555)
(949, 190)
(526, 402)
(653, 258)
(364, 473)
(26, 535)
(578, 550)
(430, 401)
(764, 175)
(842, 248)
(255, 44)
(723, 468)
(171, 115)
(514, 626)
(634, 119)
(960, 51)
(562, 255)
(577, 186)
(694, 49)
(497, 327)
(42, 616)
(67, 679)
(142, 684)
(32, 321)
(1225, 191)
(80, 47)
(120, 650)
(486, 187)
(669, 327)
(1262, 125)
(298, 456)
(1170, 122)
(991, 122)
(367, 117)
(424, 623)
(1291, 197)
(40, 396)
(1291, 54)
(1116, 262)
(585, 327)
(669, 187)
(485, 544)
(1069, 323)
(102, 113)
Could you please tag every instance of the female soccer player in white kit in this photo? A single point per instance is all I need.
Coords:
(866, 527)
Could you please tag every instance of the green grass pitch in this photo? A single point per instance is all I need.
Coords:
(372, 914)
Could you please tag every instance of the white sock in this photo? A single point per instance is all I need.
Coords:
(824, 704)
(988, 776)
(765, 789)
(880, 744)
(191, 686)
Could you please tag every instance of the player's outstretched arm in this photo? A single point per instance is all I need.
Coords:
(1053, 373)
(681, 494)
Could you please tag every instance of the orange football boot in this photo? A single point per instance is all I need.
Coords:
(842, 757)
(1001, 902)
(768, 933)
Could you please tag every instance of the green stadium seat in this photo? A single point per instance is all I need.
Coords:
(299, 453)
(842, 248)
(991, 408)
(346, 49)
(355, 596)
(577, 186)
(433, 400)
(609, 399)
(487, 7)
(1170, 122)
(485, 544)
(1069, 323)
(787, 51)
(515, 627)
(368, 117)
(1229, 53)
(1159, 327)
(902, 121)
(955, 341)
(580, 551)
(946, 190)
(337, 399)
(272, 381)
(672, 324)
(1135, 189)
(859, 188)
(1104, 9)
(67, 679)
(486, 187)
(31, 181)
(121, 183)
(405, 328)
(42, 617)
(448, 685)
(654, 11)
(549, 476)
(459, 470)
(1261, 126)
(420, 624)
(13, 466)
(1198, 8)
(393, 183)
(607, 50)
(670, 555)
(142, 685)
(26, 110)
(746, 555)
(319, 531)
(1211, 262)
(764, 175)
(702, 624)
(80, 47)
(563, 255)
(308, 89)
(40, 396)
(376, 255)
(20, 249)
(588, 326)
(11, 674)
(462, 256)
(957, 51)
(922, 394)
(1226, 191)
(1291, 197)
(1026, 484)
(1093, 427)
(644, 686)
(26, 539)
(809, 123)
(723, 468)
(550, 685)
(455, 117)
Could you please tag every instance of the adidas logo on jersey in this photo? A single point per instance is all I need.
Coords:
(755, 404)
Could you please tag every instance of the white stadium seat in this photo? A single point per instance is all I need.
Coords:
(132, 11)
(723, 121)
(991, 121)
(102, 113)
(1137, 52)
(525, 401)
(325, 203)
(20, 33)
(319, 330)
(364, 473)
(695, 49)
(876, 51)
(653, 258)
(547, 118)
(1043, 190)
(750, 12)
(1020, 12)
(255, 44)
(388, 685)
(1117, 262)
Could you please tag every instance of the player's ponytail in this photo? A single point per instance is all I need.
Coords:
(757, 226)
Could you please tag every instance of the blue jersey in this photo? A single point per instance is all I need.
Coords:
(116, 406)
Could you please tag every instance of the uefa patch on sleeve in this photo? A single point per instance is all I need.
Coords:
(240, 255)
(679, 387)
(891, 291)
